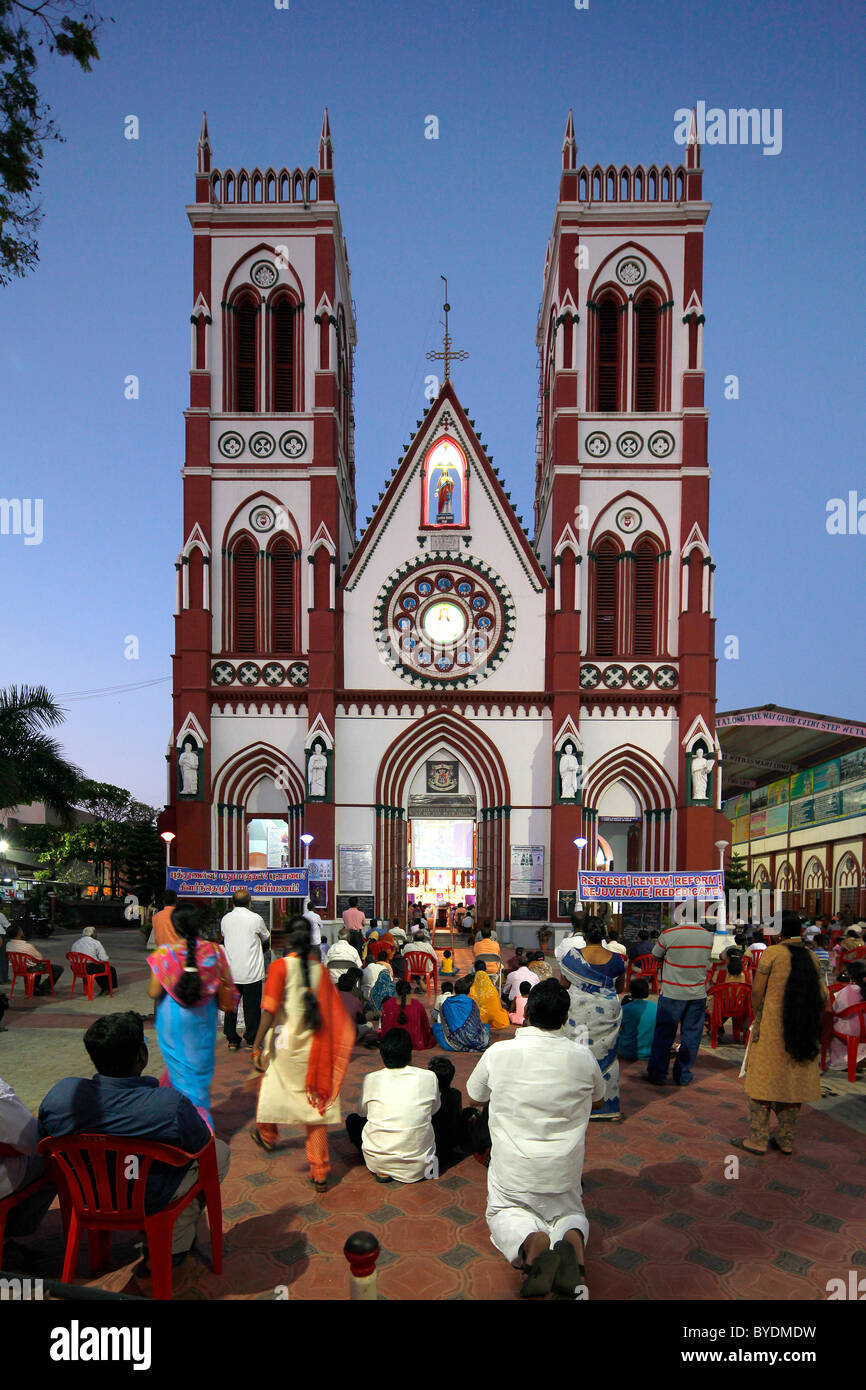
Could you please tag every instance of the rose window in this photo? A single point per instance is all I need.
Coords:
(444, 625)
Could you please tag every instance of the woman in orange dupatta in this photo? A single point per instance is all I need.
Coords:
(302, 1047)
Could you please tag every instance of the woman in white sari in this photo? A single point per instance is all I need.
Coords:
(595, 978)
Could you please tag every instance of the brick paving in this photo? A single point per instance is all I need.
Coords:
(668, 1220)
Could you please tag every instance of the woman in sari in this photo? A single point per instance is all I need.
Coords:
(303, 1047)
(406, 1012)
(460, 1028)
(486, 996)
(595, 978)
(189, 983)
(539, 966)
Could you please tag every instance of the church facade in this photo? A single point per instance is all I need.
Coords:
(445, 702)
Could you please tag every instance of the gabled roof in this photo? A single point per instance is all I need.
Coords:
(397, 484)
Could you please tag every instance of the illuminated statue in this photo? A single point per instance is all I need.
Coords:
(701, 765)
(188, 764)
(444, 494)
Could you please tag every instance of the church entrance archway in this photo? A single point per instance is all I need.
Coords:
(442, 835)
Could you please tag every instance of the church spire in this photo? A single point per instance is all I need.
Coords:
(203, 150)
(448, 353)
(568, 178)
(325, 181)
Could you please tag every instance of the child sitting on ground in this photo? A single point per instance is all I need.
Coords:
(436, 1011)
(447, 967)
(447, 1123)
(516, 1015)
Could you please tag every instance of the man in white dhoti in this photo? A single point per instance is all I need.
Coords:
(541, 1087)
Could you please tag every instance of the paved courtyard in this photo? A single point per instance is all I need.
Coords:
(667, 1221)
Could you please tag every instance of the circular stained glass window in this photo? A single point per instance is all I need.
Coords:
(444, 623)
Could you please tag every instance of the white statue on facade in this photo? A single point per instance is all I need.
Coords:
(701, 765)
(317, 772)
(569, 771)
(188, 764)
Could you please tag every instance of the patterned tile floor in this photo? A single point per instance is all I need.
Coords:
(675, 1211)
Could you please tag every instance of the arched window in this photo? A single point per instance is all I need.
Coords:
(605, 614)
(246, 355)
(195, 578)
(646, 389)
(283, 599)
(607, 354)
(283, 354)
(245, 565)
(645, 606)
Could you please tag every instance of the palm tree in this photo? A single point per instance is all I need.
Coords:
(32, 766)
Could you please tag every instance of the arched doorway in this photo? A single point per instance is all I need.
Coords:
(442, 833)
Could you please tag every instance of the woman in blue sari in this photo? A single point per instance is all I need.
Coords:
(189, 983)
(460, 1028)
(596, 977)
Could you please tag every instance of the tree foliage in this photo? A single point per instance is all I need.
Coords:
(62, 27)
(32, 767)
(120, 844)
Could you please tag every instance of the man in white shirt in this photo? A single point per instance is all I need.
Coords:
(316, 924)
(243, 932)
(541, 1087)
(421, 945)
(576, 941)
(20, 1130)
(87, 945)
(515, 980)
(341, 955)
(399, 1103)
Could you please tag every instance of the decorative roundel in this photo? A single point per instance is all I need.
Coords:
(613, 677)
(589, 677)
(292, 444)
(640, 677)
(435, 626)
(628, 519)
(597, 444)
(629, 444)
(249, 673)
(631, 270)
(264, 274)
(661, 444)
(262, 445)
(666, 677)
(223, 673)
(273, 673)
(299, 673)
(230, 444)
(263, 518)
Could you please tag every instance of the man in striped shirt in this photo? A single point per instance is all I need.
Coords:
(685, 952)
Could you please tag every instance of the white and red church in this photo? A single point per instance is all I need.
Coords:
(445, 702)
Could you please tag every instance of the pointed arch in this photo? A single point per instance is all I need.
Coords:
(233, 785)
(654, 790)
(606, 604)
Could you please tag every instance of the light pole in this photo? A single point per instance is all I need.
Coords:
(168, 836)
(721, 917)
(306, 841)
(580, 844)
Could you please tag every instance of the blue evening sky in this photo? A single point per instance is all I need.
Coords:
(112, 296)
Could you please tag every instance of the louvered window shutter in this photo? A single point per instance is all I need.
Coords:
(644, 601)
(283, 331)
(245, 598)
(245, 362)
(283, 600)
(608, 354)
(646, 385)
(605, 603)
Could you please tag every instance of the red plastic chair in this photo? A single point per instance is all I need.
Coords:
(79, 961)
(372, 951)
(733, 1002)
(644, 967)
(755, 953)
(853, 1040)
(99, 1204)
(21, 964)
(21, 1195)
(419, 963)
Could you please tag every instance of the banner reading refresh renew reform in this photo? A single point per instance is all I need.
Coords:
(646, 888)
(221, 883)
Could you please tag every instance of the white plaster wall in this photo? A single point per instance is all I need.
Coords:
(231, 733)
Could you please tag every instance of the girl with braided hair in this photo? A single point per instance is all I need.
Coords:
(302, 1048)
(190, 981)
(406, 1012)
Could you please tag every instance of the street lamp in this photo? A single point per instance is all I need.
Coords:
(721, 846)
(168, 836)
(306, 841)
(580, 844)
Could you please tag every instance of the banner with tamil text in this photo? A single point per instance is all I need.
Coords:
(221, 883)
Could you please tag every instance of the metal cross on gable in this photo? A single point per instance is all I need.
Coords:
(448, 354)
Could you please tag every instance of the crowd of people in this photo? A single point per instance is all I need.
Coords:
(571, 1019)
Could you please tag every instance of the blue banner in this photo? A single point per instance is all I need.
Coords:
(221, 883)
(647, 888)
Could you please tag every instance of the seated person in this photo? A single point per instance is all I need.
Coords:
(17, 942)
(88, 945)
(487, 944)
(613, 943)
(119, 1100)
(642, 946)
(344, 954)
(539, 966)
(447, 965)
(460, 1028)
(638, 1021)
(421, 945)
(469, 924)
(521, 975)
(447, 1122)
(516, 961)
(729, 971)
(484, 992)
(394, 1131)
(406, 1012)
(396, 932)
(854, 992)
(348, 988)
(436, 1011)
(371, 973)
(518, 1012)
(576, 941)
(18, 1129)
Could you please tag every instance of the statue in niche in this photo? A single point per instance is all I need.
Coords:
(317, 772)
(701, 766)
(188, 764)
(569, 773)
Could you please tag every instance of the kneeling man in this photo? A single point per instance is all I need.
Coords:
(399, 1103)
(541, 1087)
